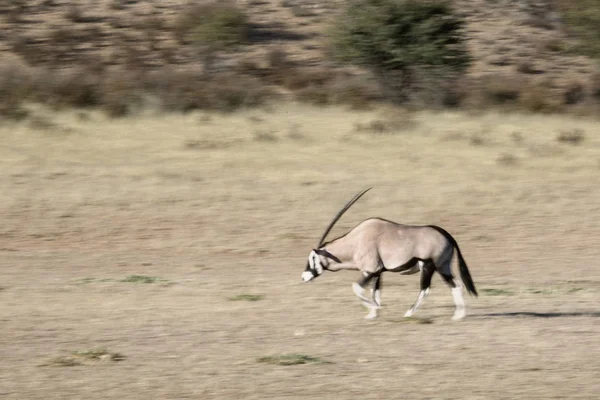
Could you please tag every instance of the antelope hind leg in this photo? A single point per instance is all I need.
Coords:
(459, 302)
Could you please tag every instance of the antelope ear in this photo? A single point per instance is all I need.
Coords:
(325, 253)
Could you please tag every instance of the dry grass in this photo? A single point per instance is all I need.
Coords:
(291, 359)
(112, 198)
(247, 297)
(574, 136)
(83, 357)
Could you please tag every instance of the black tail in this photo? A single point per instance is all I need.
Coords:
(465, 275)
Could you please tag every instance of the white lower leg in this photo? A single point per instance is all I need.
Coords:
(377, 297)
(373, 313)
(375, 305)
(420, 298)
(359, 291)
(459, 302)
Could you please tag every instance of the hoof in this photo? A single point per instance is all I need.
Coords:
(407, 314)
(458, 316)
(371, 316)
(367, 305)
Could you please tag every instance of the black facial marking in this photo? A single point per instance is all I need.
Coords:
(325, 253)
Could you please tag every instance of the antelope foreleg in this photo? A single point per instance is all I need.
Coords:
(373, 303)
(426, 274)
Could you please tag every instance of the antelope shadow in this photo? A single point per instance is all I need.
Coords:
(534, 314)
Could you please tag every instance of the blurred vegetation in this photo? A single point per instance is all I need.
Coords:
(583, 21)
(406, 36)
(413, 52)
(216, 25)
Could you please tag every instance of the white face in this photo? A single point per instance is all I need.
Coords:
(314, 267)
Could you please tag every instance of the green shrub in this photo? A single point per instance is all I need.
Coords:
(582, 18)
(216, 25)
(400, 35)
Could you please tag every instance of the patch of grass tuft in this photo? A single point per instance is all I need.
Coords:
(247, 297)
(507, 159)
(414, 320)
(292, 359)
(265, 136)
(98, 354)
(141, 279)
(574, 136)
(215, 24)
(83, 357)
(540, 291)
(496, 292)
(62, 361)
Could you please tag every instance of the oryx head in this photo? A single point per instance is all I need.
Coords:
(319, 258)
(318, 261)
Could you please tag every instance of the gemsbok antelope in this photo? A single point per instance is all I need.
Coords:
(377, 245)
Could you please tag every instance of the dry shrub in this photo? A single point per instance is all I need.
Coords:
(573, 136)
(15, 87)
(230, 92)
(553, 45)
(574, 93)
(324, 86)
(309, 77)
(318, 95)
(217, 24)
(186, 90)
(117, 5)
(507, 159)
(177, 90)
(436, 91)
(389, 122)
(74, 87)
(121, 92)
(528, 67)
(595, 85)
(74, 14)
(455, 92)
(356, 91)
(540, 22)
(14, 10)
(501, 88)
(303, 11)
(536, 97)
(277, 59)
(279, 66)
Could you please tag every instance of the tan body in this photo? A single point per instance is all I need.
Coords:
(377, 244)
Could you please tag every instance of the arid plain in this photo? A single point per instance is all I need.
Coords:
(175, 243)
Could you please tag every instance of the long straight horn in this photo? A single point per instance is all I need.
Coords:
(339, 215)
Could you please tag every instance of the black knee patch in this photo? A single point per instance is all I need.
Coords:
(449, 279)
(426, 275)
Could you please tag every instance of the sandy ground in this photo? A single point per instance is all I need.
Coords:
(219, 206)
